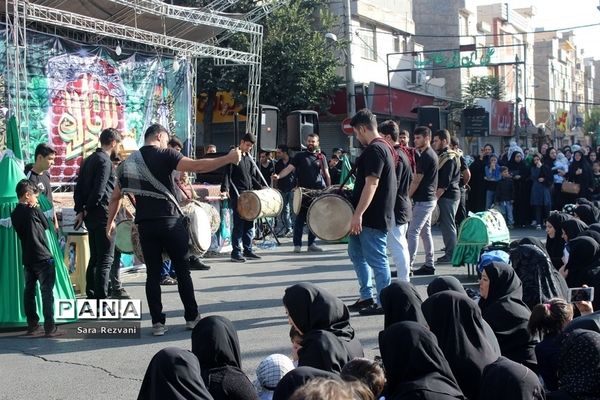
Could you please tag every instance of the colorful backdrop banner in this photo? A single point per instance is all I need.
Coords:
(75, 91)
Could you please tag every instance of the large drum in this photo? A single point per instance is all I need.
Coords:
(264, 203)
(302, 198)
(329, 217)
(123, 240)
(213, 215)
(199, 228)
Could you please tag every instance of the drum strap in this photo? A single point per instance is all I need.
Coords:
(157, 184)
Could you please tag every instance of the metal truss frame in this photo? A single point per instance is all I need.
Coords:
(16, 67)
(191, 15)
(220, 5)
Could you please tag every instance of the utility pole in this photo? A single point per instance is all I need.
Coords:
(351, 100)
(517, 72)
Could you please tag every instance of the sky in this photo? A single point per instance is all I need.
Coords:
(553, 14)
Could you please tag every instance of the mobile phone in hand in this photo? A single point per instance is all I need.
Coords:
(581, 294)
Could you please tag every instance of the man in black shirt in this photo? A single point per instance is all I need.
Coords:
(266, 165)
(448, 192)
(465, 177)
(285, 186)
(240, 178)
(94, 188)
(31, 224)
(310, 168)
(160, 226)
(38, 173)
(396, 239)
(422, 190)
(374, 196)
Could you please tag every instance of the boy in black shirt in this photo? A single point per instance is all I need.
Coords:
(31, 224)
(38, 173)
(504, 196)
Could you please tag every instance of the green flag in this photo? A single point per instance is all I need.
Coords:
(13, 142)
(346, 168)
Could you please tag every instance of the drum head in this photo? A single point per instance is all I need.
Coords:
(200, 233)
(329, 217)
(248, 205)
(297, 200)
(123, 240)
(213, 214)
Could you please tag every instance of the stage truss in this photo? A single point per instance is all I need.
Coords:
(188, 33)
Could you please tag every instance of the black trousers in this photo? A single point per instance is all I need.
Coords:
(101, 257)
(45, 273)
(461, 212)
(170, 235)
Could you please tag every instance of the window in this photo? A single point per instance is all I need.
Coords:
(367, 41)
(397, 44)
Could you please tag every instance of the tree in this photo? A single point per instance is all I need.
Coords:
(483, 87)
(299, 67)
(592, 121)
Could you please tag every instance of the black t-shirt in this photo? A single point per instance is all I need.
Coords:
(285, 184)
(335, 173)
(31, 224)
(267, 171)
(42, 181)
(161, 163)
(377, 160)
(427, 165)
(309, 169)
(403, 206)
(448, 178)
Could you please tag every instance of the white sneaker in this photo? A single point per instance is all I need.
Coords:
(315, 248)
(189, 325)
(297, 249)
(159, 329)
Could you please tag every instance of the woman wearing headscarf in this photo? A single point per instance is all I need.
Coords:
(590, 233)
(579, 367)
(476, 200)
(415, 366)
(173, 374)
(580, 172)
(522, 188)
(572, 228)
(586, 213)
(328, 341)
(447, 282)
(457, 323)
(583, 266)
(503, 308)
(401, 302)
(555, 244)
(215, 342)
(505, 379)
(541, 281)
(541, 182)
(296, 378)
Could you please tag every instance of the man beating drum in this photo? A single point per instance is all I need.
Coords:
(312, 171)
(242, 177)
(147, 175)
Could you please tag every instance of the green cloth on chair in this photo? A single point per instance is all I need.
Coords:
(476, 232)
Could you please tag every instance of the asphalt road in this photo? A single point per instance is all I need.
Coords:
(249, 294)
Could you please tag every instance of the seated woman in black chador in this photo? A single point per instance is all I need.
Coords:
(328, 341)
